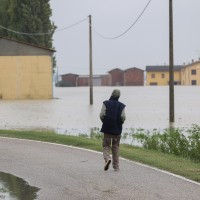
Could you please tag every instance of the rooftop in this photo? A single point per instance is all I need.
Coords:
(162, 68)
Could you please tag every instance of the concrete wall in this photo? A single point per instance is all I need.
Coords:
(25, 77)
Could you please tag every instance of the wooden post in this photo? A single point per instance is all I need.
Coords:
(90, 60)
(171, 64)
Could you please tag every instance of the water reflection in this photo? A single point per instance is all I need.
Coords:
(15, 188)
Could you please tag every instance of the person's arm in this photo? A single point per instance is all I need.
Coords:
(103, 112)
(123, 115)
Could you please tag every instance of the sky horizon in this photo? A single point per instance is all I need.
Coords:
(146, 43)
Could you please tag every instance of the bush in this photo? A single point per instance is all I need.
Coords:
(194, 142)
(173, 141)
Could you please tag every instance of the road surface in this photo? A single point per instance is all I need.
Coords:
(63, 172)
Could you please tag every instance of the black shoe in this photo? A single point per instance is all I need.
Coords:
(106, 167)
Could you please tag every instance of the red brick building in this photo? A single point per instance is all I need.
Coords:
(83, 80)
(69, 80)
(117, 77)
(134, 77)
(106, 80)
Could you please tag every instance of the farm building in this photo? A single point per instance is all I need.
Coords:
(159, 75)
(190, 74)
(134, 77)
(25, 70)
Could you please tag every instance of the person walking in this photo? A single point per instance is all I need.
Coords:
(112, 116)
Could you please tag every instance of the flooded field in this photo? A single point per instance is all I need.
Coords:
(69, 112)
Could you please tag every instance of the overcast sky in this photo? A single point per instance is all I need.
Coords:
(147, 43)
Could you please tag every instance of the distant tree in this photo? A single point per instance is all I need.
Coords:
(6, 14)
(27, 16)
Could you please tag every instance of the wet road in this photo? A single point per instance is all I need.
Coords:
(63, 172)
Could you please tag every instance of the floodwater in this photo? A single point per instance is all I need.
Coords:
(70, 113)
(15, 188)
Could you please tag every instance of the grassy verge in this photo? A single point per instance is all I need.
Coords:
(171, 163)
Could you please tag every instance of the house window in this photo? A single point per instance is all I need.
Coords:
(153, 83)
(163, 75)
(193, 72)
(193, 82)
(153, 75)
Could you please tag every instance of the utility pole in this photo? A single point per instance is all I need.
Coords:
(171, 64)
(90, 60)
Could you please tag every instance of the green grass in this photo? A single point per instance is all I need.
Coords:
(177, 165)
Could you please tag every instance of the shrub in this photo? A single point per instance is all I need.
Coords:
(194, 142)
(173, 141)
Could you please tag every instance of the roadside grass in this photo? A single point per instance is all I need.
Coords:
(171, 163)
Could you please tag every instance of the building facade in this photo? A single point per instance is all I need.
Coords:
(155, 75)
(117, 77)
(159, 75)
(106, 80)
(133, 77)
(69, 80)
(25, 71)
(191, 74)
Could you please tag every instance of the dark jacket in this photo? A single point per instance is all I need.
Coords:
(112, 122)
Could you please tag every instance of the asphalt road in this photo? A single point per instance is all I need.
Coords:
(63, 173)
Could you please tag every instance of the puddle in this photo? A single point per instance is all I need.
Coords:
(15, 188)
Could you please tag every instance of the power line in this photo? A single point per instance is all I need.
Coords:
(70, 26)
(128, 29)
(67, 27)
(47, 33)
(22, 33)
